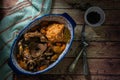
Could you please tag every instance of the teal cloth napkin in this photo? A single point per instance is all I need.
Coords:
(14, 20)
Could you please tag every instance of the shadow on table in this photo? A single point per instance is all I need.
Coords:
(106, 33)
(43, 77)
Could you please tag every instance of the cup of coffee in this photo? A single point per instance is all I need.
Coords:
(94, 16)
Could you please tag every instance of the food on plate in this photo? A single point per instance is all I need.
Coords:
(42, 45)
(54, 32)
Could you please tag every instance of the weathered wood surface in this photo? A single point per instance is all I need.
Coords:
(96, 66)
(112, 16)
(103, 52)
(68, 77)
(104, 4)
(97, 50)
(111, 8)
(102, 33)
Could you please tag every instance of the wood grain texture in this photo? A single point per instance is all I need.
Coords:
(67, 77)
(96, 67)
(101, 33)
(112, 16)
(104, 4)
(97, 50)
(103, 52)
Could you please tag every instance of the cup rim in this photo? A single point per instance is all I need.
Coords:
(98, 10)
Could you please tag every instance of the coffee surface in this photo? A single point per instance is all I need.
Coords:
(93, 17)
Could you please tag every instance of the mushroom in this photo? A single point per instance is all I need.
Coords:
(31, 65)
(48, 53)
(43, 38)
(38, 50)
(42, 47)
(29, 35)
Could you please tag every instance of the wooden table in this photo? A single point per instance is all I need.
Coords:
(103, 51)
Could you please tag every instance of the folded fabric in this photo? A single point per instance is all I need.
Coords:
(13, 20)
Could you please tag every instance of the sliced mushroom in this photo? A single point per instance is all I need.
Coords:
(35, 53)
(29, 35)
(44, 62)
(48, 53)
(38, 50)
(31, 65)
(43, 39)
(42, 47)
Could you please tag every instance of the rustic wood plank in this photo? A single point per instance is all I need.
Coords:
(103, 53)
(60, 4)
(96, 66)
(100, 50)
(104, 4)
(94, 77)
(101, 33)
(76, 14)
(67, 77)
(112, 16)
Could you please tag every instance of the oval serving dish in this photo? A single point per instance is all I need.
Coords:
(61, 18)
